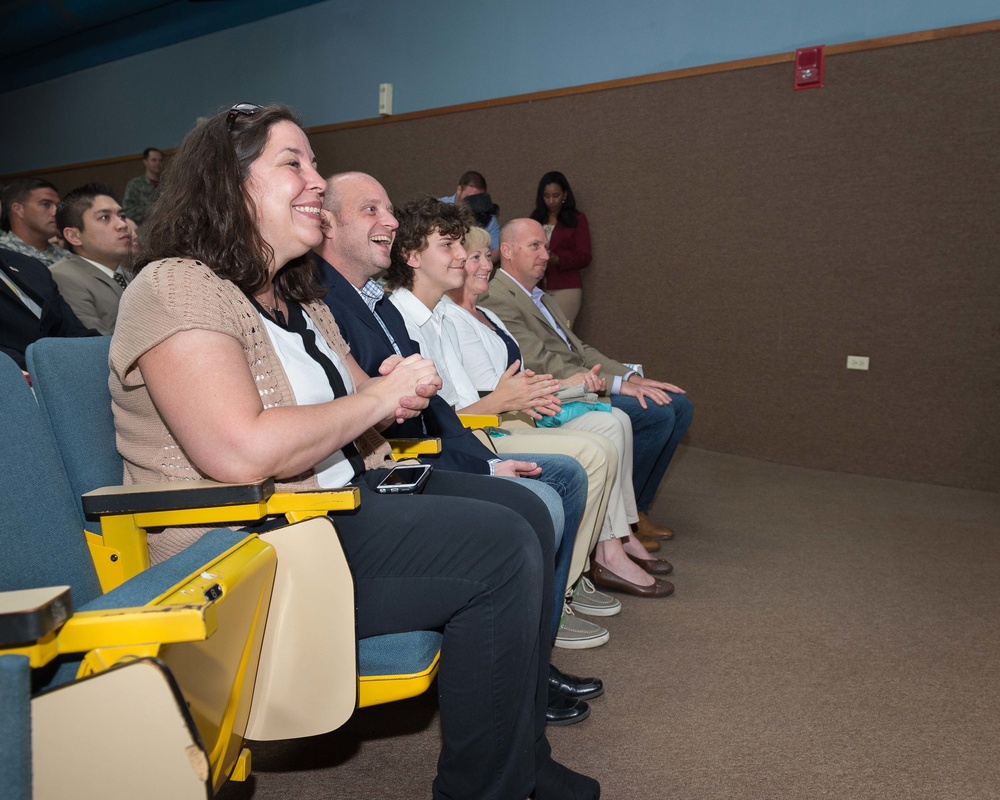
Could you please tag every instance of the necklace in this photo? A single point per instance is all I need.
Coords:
(272, 310)
(271, 307)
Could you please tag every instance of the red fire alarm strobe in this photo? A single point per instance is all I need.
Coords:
(809, 68)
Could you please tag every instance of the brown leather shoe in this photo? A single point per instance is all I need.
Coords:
(654, 566)
(651, 545)
(648, 529)
(607, 578)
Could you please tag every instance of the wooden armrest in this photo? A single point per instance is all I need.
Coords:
(175, 496)
(30, 614)
(411, 448)
(479, 420)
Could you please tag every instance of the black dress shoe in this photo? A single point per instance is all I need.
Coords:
(565, 710)
(573, 686)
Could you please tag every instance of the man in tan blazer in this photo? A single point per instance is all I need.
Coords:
(660, 412)
(90, 278)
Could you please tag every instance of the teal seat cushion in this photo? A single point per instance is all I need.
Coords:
(397, 653)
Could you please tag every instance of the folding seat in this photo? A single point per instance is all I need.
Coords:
(144, 689)
(310, 641)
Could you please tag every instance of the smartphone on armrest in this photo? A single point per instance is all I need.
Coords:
(405, 479)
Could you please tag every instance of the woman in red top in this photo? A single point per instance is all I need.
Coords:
(569, 241)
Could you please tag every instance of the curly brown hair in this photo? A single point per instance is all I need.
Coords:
(418, 219)
(206, 214)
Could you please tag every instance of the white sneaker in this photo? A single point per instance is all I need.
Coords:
(579, 634)
(593, 602)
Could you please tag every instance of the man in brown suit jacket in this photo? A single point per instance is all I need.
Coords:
(660, 412)
(90, 279)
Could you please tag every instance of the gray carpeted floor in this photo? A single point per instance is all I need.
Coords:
(831, 636)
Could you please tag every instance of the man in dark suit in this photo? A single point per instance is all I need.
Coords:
(96, 231)
(375, 330)
(356, 248)
(660, 412)
(371, 345)
(31, 307)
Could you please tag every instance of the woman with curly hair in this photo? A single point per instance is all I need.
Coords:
(227, 364)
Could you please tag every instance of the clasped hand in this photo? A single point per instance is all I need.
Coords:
(528, 391)
(406, 386)
(590, 379)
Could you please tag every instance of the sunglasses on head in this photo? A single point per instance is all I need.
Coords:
(241, 110)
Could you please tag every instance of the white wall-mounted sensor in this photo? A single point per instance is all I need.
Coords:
(385, 99)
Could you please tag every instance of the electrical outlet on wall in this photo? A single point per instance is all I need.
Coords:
(857, 362)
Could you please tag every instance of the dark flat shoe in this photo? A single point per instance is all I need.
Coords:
(605, 577)
(654, 566)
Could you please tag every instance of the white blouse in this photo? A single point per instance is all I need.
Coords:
(310, 386)
(438, 341)
(483, 353)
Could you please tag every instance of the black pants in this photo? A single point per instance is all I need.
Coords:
(472, 555)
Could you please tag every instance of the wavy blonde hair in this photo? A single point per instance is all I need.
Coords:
(476, 239)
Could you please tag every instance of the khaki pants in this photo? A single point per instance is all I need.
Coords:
(615, 427)
(618, 499)
(596, 454)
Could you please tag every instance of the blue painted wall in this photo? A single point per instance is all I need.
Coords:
(328, 59)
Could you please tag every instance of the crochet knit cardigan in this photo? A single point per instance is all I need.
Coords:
(175, 295)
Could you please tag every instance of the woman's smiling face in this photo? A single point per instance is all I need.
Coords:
(478, 268)
(287, 193)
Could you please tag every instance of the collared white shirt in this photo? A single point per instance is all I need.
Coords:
(484, 353)
(310, 386)
(438, 341)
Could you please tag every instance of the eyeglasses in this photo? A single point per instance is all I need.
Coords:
(241, 110)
